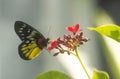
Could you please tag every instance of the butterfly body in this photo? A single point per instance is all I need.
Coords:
(33, 41)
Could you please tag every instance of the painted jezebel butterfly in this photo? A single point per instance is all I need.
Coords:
(32, 41)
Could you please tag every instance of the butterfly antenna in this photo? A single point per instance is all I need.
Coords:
(48, 35)
(49, 31)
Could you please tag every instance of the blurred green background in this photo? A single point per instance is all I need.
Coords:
(55, 15)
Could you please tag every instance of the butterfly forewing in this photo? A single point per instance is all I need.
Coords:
(32, 41)
(25, 31)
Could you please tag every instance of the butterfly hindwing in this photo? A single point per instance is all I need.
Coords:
(32, 41)
(28, 49)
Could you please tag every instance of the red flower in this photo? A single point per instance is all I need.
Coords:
(69, 41)
(54, 44)
(74, 28)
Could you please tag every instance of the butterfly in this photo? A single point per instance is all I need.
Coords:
(33, 41)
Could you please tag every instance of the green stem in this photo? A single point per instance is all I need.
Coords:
(77, 55)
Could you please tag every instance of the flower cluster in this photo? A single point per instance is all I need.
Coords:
(69, 41)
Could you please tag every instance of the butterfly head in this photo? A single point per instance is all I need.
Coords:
(43, 42)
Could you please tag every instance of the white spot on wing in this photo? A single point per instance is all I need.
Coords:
(32, 34)
(24, 26)
(20, 31)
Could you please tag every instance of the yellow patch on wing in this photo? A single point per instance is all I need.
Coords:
(31, 51)
(35, 52)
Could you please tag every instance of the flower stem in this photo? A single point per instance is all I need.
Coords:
(77, 55)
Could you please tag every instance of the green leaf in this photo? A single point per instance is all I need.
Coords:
(100, 75)
(53, 75)
(110, 30)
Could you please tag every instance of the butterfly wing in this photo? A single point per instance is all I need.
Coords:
(25, 31)
(29, 48)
